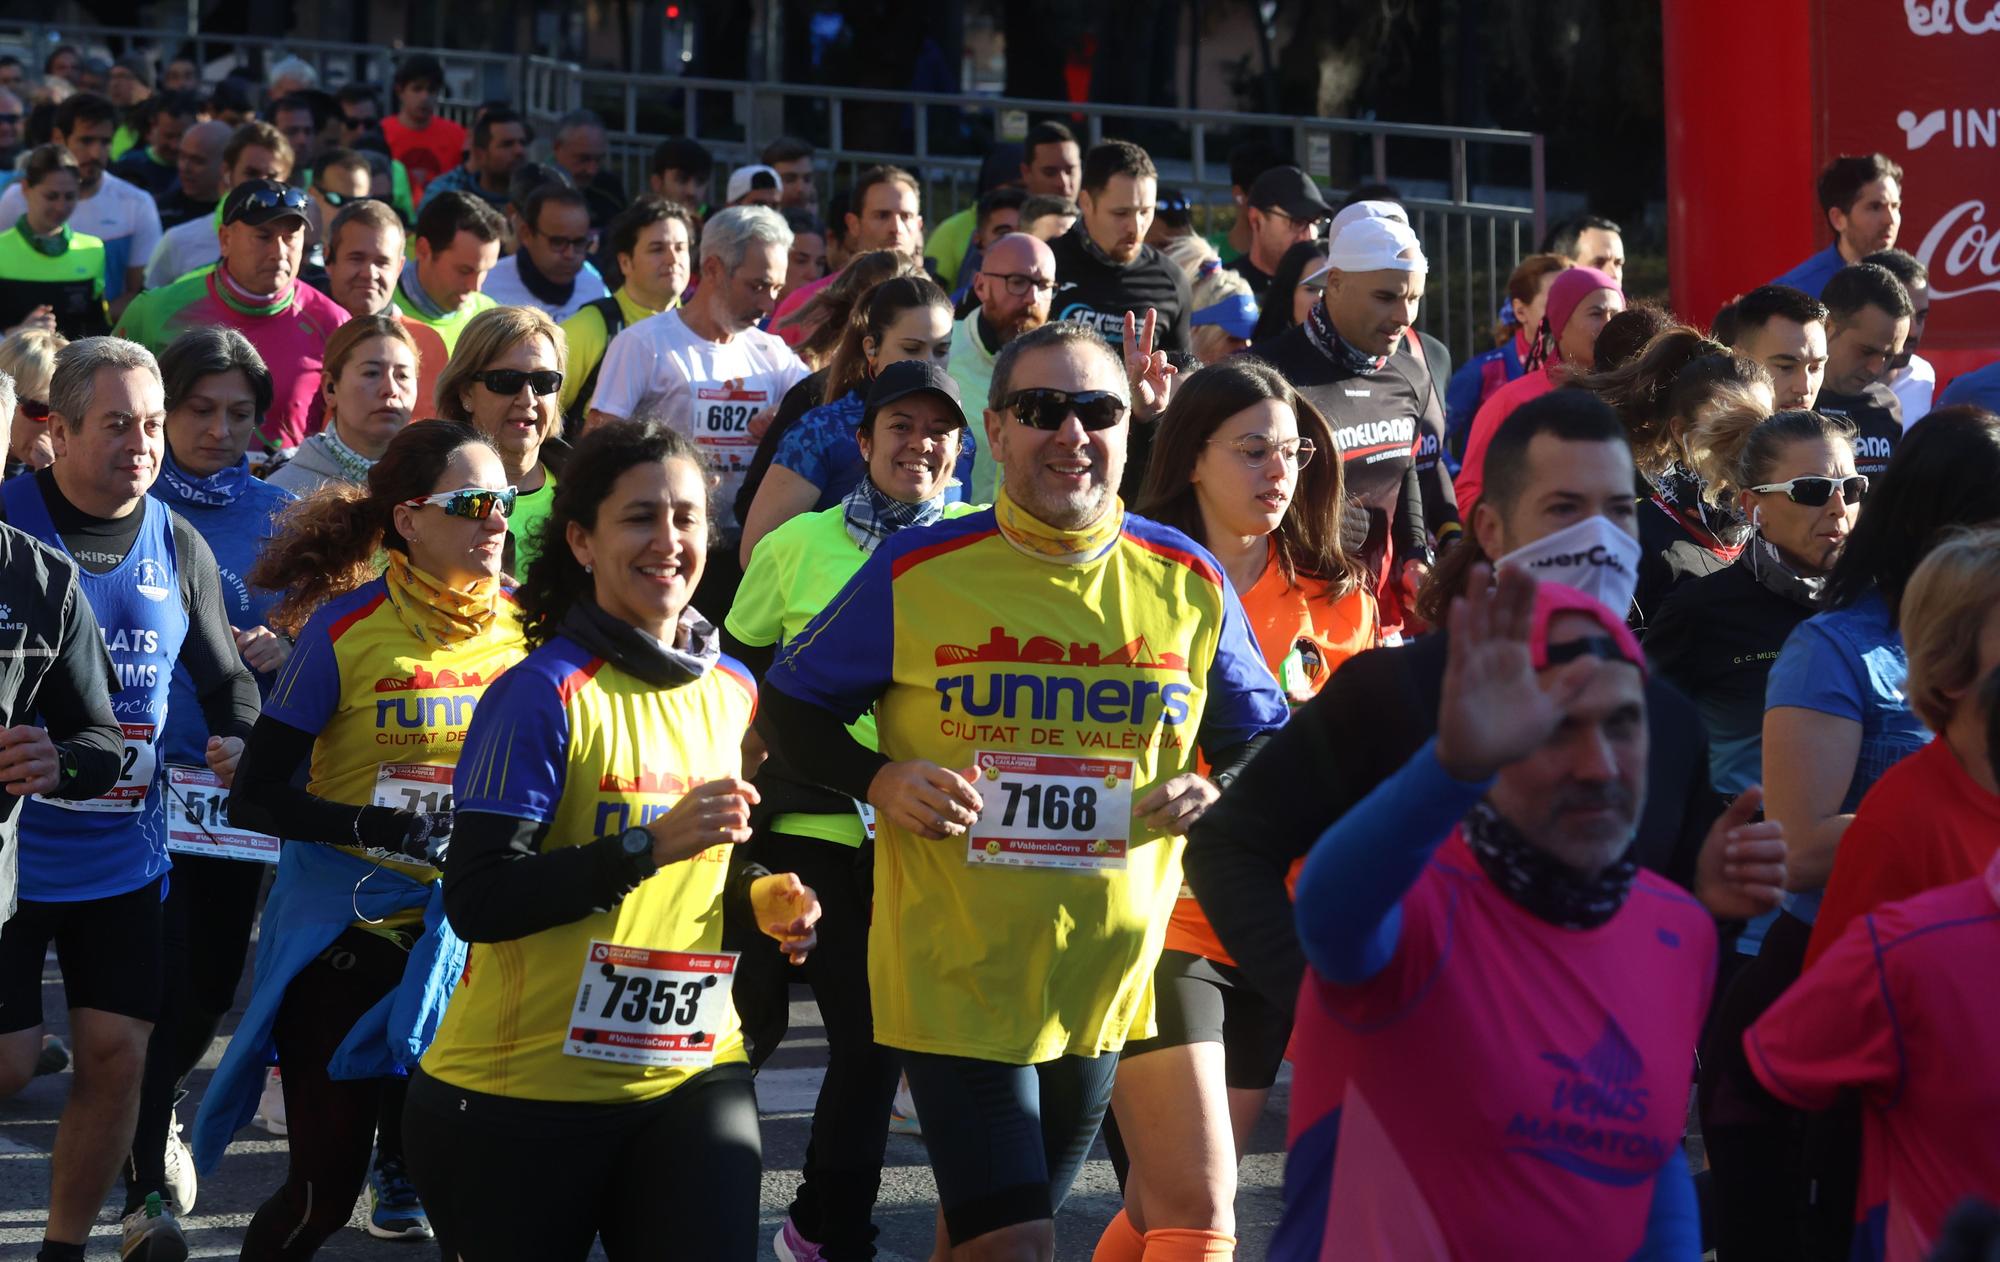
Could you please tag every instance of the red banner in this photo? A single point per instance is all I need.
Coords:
(1914, 79)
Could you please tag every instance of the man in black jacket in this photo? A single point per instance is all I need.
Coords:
(1352, 359)
(1562, 460)
(1105, 271)
(1869, 314)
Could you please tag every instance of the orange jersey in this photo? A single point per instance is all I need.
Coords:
(1317, 635)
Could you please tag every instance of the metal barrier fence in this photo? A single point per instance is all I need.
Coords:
(1472, 243)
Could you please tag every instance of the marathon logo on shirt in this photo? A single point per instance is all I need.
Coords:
(412, 720)
(1369, 441)
(616, 800)
(1593, 1100)
(152, 580)
(1873, 447)
(1045, 696)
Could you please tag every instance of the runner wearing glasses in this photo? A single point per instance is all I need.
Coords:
(375, 700)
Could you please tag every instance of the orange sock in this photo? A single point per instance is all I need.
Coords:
(1184, 1244)
(1121, 1242)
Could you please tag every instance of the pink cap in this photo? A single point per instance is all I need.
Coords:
(1554, 598)
(1567, 292)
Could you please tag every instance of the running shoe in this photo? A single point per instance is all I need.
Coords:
(790, 1246)
(903, 1112)
(271, 1105)
(152, 1235)
(394, 1212)
(181, 1181)
(53, 1058)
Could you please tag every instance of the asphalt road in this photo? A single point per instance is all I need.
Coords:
(786, 1090)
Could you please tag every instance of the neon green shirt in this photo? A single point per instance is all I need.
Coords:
(948, 244)
(794, 571)
(531, 509)
(449, 326)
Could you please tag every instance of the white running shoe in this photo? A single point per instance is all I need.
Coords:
(271, 1105)
(181, 1180)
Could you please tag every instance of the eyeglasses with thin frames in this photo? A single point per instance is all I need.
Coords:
(1257, 450)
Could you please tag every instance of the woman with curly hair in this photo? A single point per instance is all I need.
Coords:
(374, 704)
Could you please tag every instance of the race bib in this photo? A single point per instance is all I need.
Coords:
(413, 786)
(722, 423)
(140, 762)
(1051, 811)
(636, 1006)
(198, 820)
(867, 814)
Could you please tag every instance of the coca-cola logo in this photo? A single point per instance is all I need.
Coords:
(1944, 17)
(1973, 252)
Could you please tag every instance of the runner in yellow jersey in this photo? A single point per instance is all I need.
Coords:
(1041, 675)
(599, 797)
(376, 697)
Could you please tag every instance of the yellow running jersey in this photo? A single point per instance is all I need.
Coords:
(1065, 692)
(629, 1003)
(390, 710)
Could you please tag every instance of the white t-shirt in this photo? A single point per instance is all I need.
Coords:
(184, 248)
(1914, 388)
(505, 286)
(119, 214)
(708, 390)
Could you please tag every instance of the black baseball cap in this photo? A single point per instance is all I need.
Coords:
(907, 377)
(258, 202)
(1292, 191)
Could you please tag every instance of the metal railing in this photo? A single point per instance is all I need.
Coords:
(1473, 241)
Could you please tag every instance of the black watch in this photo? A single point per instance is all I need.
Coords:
(65, 764)
(637, 846)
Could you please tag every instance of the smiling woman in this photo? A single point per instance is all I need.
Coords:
(505, 379)
(51, 276)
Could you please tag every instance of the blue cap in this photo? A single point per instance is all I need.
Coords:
(1236, 315)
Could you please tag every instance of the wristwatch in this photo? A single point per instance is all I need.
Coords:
(637, 846)
(65, 765)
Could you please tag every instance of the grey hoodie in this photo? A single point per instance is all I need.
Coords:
(311, 468)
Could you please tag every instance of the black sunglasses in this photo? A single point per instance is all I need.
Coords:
(1814, 490)
(1040, 408)
(509, 381)
(337, 200)
(33, 409)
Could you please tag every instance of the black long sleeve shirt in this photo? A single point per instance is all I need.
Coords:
(1377, 710)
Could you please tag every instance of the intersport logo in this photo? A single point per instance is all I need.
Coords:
(1952, 17)
(1961, 247)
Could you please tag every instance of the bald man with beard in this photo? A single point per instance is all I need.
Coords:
(1016, 280)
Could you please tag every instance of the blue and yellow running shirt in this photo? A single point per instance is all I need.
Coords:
(1068, 692)
(389, 709)
(623, 1005)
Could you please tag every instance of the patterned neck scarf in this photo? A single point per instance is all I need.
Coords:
(55, 245)
(214, 491)
(1329, 342)
(1769, 567)
(1544, 886)
(1095, 250)
(1034, 537)
(431, 609)
(353, 464)
(1720, 528)
(872, 515)
(413, 291)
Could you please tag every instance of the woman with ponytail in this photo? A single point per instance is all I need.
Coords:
(373, 705)
(599, 803)
(1682, 385)
(819, 461)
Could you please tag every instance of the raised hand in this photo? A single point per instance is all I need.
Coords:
(1152, 377)
(1495, 709)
